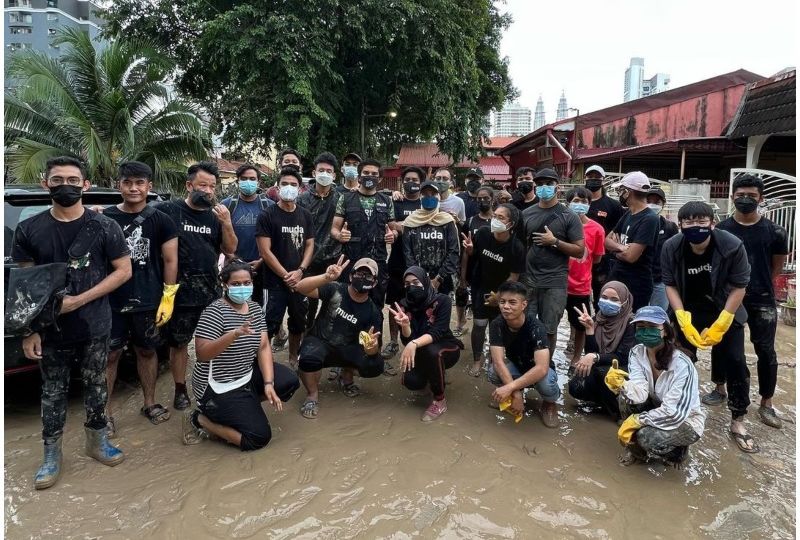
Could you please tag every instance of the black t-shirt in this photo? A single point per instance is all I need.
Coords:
(762, 240)
(288, 232)
(495, 260)
(522, 344)
(199, 248)
(43, 240)
(697, 295)
(341, 318)
(402, 209)
(470, 204)
(605, 211)
(519, 201)
(143, 291)
(666, 230)
(641, 228)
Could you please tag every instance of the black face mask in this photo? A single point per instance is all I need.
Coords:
(362, 284)
(473, 185)
(484, 206)
(369, 182)
(66, 195)
(696, 234)
(525, 187)
(415, 295)
(623, 199)
(198, 198)
(410, 188)
(594, 185)
(746, 205)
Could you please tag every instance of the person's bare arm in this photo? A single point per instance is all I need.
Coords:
(734, 300)
(499, 362)
(777, 264)
(674, 298)
(265, 250)
(631, 253)
(541, 361)
(121, 273)
(169, 253)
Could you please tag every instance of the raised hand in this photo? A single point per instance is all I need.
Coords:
(369, 340)
(400, 316)
(467, 242)
(345, 235)
(335, 270)
(222, 213)
(585, 318)
(243, 330)
(389, 236)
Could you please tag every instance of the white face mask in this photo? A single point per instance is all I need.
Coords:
(288, 193)
(324, 179)
(655, 207)
(497, 226)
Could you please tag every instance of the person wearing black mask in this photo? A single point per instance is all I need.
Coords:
(706, 273)
(205, 232)
(430, 348)
(525, 196)
(345, 333)
(605, 211)
(485, 197)
(84, 320)
(411, 178)
(767, 247)
(472, 182)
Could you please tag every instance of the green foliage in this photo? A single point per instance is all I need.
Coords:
(300, 72)
(103, 107)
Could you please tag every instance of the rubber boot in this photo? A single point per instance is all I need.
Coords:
(98, 447)
(48, 473)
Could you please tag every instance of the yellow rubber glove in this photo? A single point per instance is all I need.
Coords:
(713, 335)
(164, 313)
(615, 378)
(505, 404)
(691, 333)
(630, 426)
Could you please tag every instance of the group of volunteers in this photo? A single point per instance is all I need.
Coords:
(641, 294)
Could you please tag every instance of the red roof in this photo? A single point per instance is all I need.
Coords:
(496, 143)
(495, 168)
(230, 166)
(422, 155)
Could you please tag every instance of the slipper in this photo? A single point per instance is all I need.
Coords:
(475, 371)
(309, 409)
(157, 413)
(350, 389)
(458, 332)
(741, 442)
(333, 374)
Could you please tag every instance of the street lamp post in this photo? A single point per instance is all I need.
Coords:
(364, 116)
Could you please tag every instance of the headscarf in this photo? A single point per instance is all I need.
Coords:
(419, 273)
(609, 330)
(422, 217)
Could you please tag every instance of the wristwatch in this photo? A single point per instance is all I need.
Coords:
(557, 242)
(303, 270)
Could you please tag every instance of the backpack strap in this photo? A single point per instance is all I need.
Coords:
(233, 203)
(86, 238)
(143, 216)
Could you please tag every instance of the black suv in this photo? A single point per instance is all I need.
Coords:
(21, 202)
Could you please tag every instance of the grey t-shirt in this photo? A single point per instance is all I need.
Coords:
(547, 266)
(455, 205)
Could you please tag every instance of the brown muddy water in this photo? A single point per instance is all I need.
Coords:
(368, 468)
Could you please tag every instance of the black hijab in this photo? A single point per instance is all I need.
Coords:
(430, 293)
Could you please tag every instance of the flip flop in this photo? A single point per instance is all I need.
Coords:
(157, 413)
(309, 409)
(475, 371)
(742, 440)
(350, 389)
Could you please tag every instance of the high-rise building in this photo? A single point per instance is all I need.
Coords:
(32, 24)
(538, 115)
(636, 86)
(562, 111)
(512, 120)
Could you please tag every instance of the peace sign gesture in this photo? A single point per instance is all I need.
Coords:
(400, 316)
(467, 242)
(335, 270)
(369, 340)
(585, 318)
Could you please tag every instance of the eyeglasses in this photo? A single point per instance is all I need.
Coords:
(60, 180)
(699, 222)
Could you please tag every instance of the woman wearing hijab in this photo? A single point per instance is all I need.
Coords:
(429, 346)
(609, 337)
(430, 240)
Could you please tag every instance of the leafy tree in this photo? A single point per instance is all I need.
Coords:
(102, 106)
(303, 72)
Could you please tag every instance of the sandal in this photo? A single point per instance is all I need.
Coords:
(111, 427)
(475, 371)
(350, 389)
(309, 409)
(458, 332)
(742, 442)
(157, 414)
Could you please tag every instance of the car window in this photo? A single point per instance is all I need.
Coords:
(12, 216)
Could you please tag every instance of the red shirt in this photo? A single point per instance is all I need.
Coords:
(579, 281)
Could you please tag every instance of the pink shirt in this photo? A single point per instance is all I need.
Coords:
(579, 281)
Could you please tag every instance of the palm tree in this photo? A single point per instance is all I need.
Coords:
(102, 106)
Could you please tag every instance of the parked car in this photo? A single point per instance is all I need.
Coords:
(22, 201)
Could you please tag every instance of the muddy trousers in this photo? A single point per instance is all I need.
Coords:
(57, 359)
(671, 445)
(593, 388)
(763, 324)
(430, 362)
(728, 363)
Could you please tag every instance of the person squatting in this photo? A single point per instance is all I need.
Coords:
(642, 296)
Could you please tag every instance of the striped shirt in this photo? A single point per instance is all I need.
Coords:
(237, 360)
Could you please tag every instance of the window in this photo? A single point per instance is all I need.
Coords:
(18, 46)
(20, 30)
(52, 3)
(19, 3)
(52, 17)
(51, 31)
(19, 17)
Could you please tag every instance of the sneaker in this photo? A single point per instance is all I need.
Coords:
(434, 410)
(714, 398)
(192, 432)
(391, 349)
(181, 401)
(549, 413)
(769, 417)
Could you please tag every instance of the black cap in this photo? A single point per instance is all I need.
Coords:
(548, 174)
(352, 155)
(430, 184)
(658, 191)
(475, 171)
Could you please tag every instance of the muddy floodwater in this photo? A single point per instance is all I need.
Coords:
(368, 468)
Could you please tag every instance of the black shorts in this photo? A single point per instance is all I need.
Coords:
(479, 309)
(462, 296)
(279, 300)
(316, 354)
(395, 289)
(574, 301)
(139, 328)
(180, 328)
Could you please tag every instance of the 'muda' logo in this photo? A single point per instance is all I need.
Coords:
(346, 316)
(497, 257)
(201, 229)
(695, 271)
(432, 235)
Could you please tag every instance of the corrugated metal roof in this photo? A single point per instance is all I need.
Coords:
(227, 166)
(422, 155)
(767, 108)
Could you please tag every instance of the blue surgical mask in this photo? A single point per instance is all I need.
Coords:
(579, 207)
(429, 202)
(248, 187)
(608, 308)
(545, 192)
(350, 171)
(240, 294)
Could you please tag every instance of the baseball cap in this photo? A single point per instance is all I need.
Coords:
(595, 168)
(429, 184)
(352, 155)
(548, 174)
(651, 314)
(637, 181)
(658, 191)
(475, 171)
(366, 262)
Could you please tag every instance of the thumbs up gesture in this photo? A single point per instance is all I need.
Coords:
(389, 236)
(344, 234)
